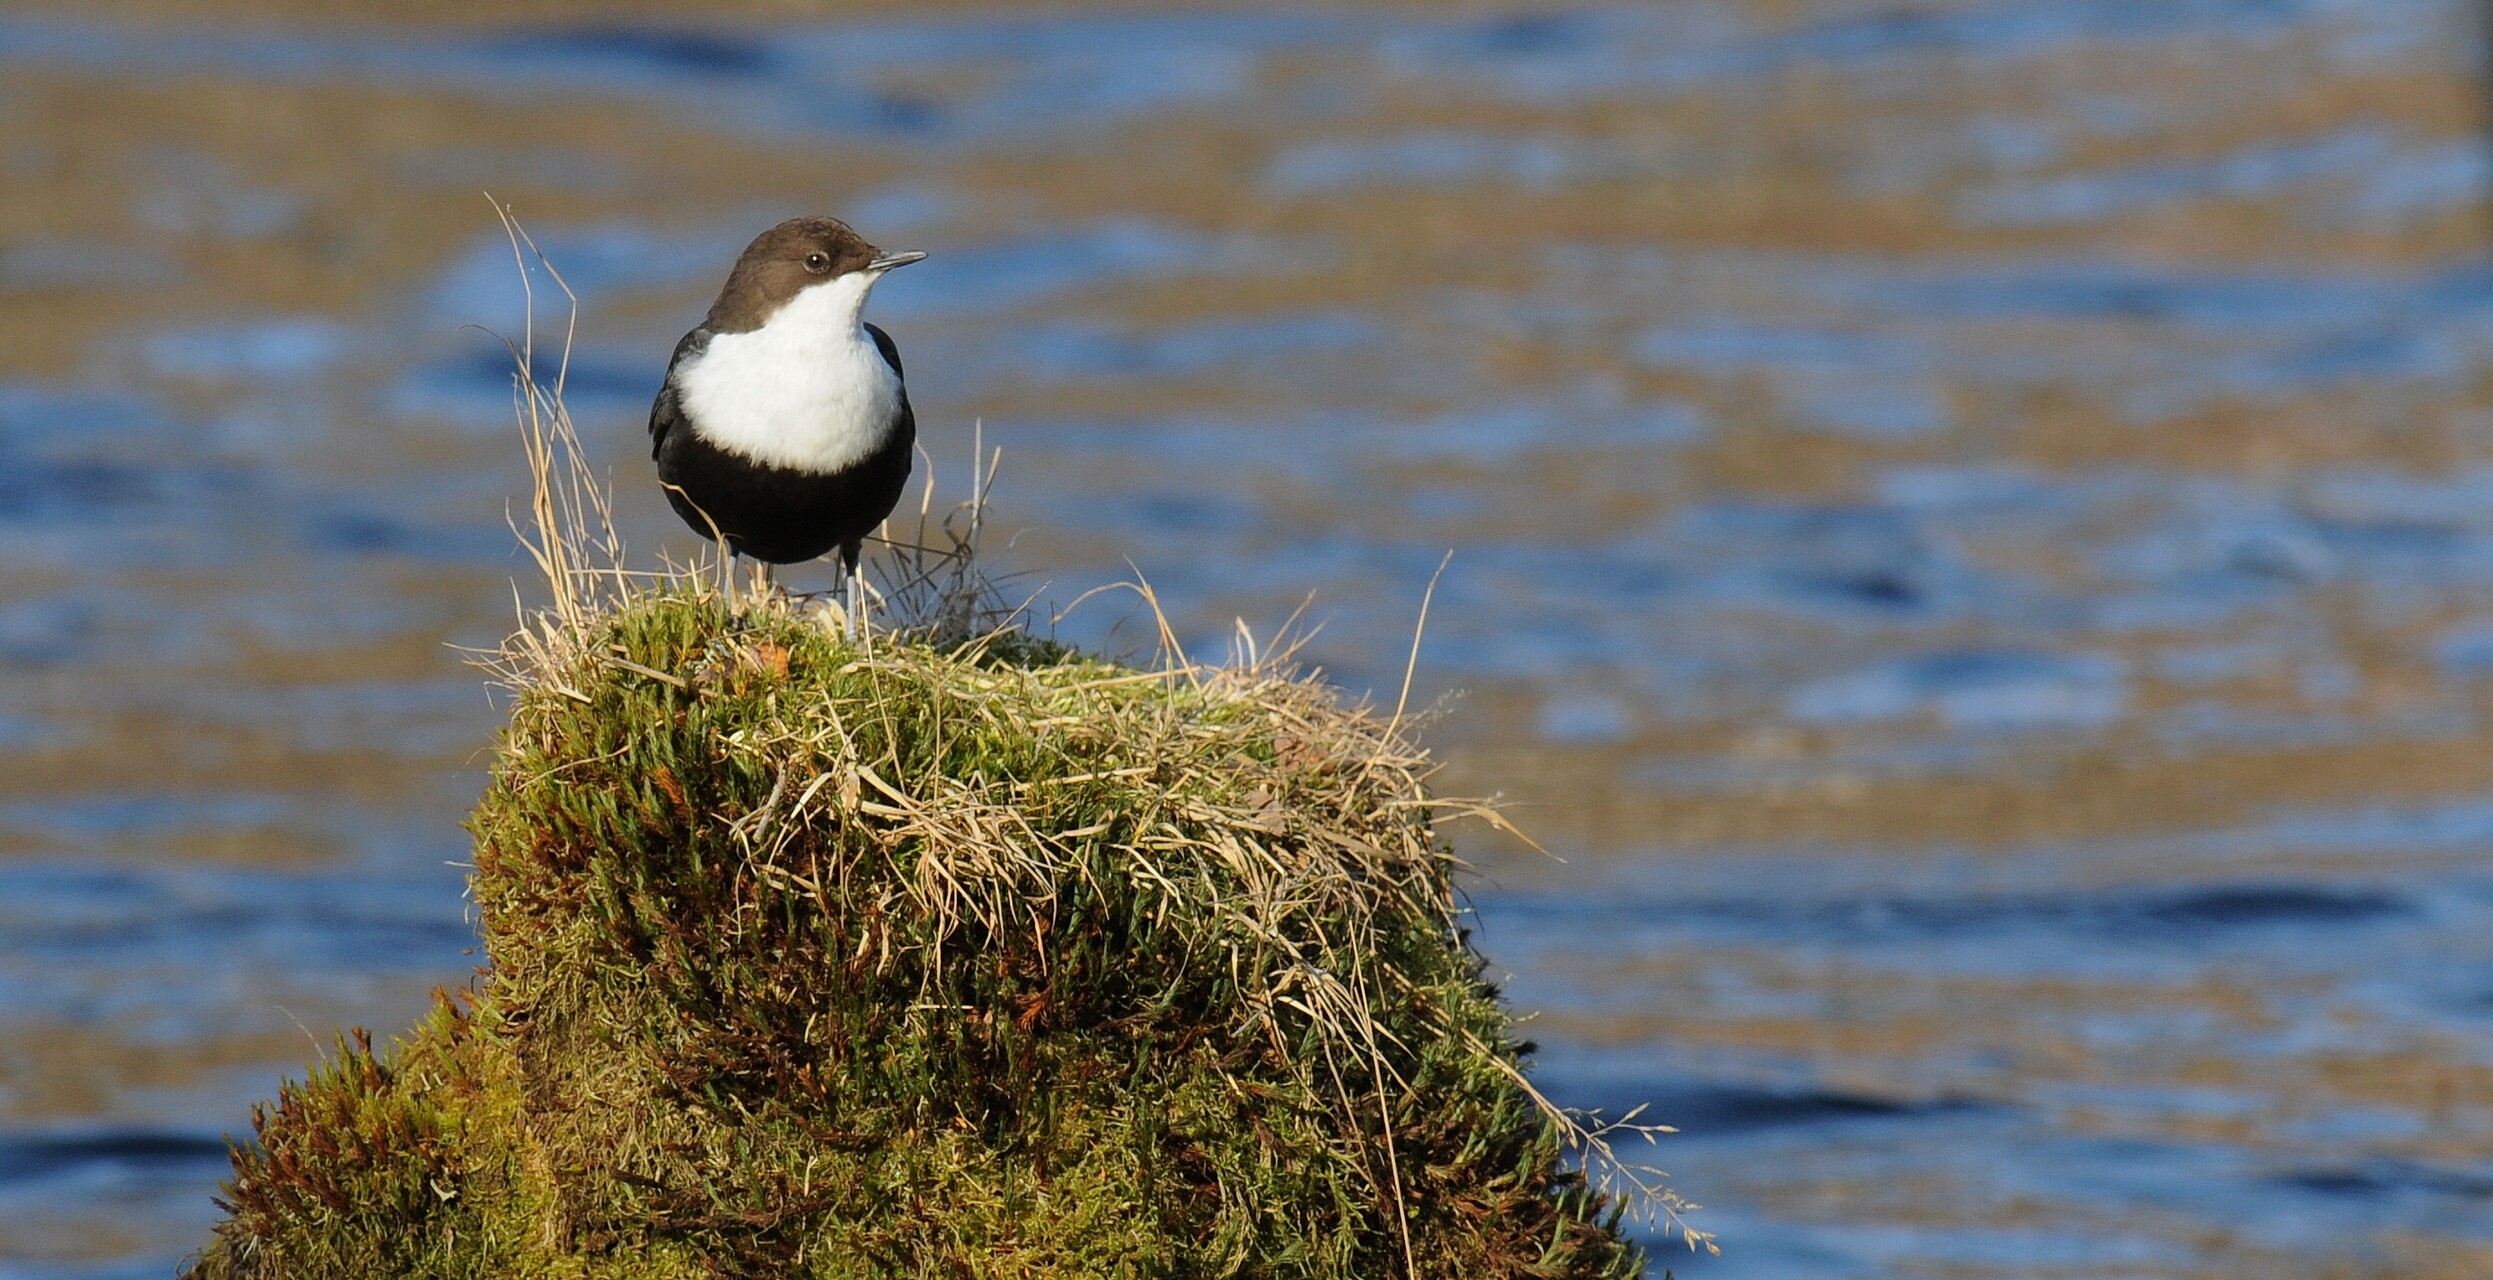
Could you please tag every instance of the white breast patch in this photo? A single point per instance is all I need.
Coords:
(807, 390)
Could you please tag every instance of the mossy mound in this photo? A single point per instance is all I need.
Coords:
(814, 959)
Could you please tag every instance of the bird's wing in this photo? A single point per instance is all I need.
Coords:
(666, 413)
(908, 424)
(890, 349)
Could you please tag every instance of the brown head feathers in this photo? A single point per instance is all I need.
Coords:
(782, 262)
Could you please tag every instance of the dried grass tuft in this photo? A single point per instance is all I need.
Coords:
(937, 949)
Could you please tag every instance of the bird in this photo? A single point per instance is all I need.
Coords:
(783, 429)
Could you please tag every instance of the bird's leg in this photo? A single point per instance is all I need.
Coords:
(727, 577)
(764, 578)
(855, 591)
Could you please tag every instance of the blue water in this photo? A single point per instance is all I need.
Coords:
(1972, 529)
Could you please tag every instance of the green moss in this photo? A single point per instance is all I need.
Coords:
(997, 961)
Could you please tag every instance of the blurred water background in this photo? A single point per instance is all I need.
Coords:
(1973, 529)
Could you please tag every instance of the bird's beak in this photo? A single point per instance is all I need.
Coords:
(891, 260)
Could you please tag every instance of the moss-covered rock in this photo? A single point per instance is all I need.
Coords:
(818, 959)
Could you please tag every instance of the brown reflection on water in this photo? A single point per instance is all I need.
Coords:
(2111, 789)
(201, 196)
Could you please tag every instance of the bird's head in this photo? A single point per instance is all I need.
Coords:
(796, 256)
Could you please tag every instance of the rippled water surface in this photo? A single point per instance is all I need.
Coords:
(1973, 530)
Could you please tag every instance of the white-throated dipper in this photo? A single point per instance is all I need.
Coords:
(783, 427)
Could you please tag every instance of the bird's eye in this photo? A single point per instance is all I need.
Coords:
(817, 262)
